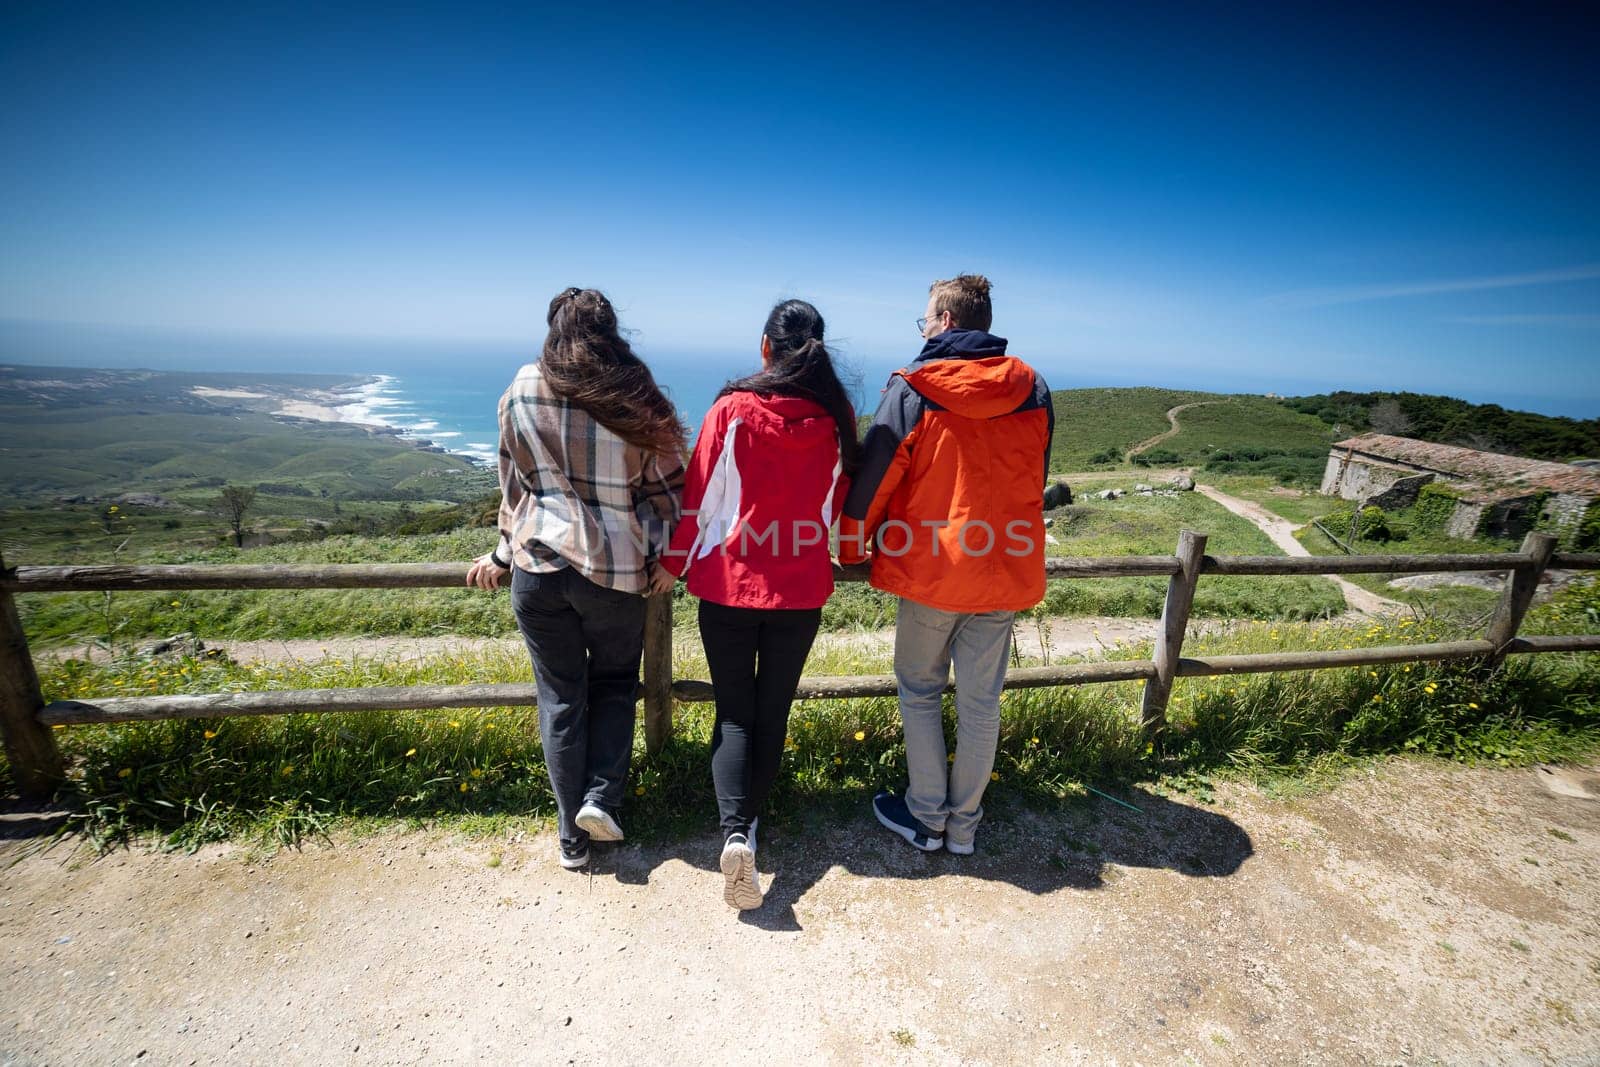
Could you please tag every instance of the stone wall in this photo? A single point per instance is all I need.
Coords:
(1563, 512)
(1402, 494)
(1464, 523)
(1361, 478)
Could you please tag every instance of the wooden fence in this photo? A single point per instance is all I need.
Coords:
(27, 720)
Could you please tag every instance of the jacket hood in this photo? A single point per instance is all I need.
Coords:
(968, 372)
(962, 344)
(785, 421)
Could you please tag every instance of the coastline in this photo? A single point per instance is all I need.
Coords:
(377, 406)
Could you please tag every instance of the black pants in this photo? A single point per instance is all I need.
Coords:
(586, 642)
(756, 657)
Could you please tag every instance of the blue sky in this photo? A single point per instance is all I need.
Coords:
(1284, 198)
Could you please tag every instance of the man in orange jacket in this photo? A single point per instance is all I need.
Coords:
(950, 497)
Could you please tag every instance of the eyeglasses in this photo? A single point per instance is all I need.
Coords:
(922, 324)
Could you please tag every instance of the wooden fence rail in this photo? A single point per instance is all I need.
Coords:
(27, 721)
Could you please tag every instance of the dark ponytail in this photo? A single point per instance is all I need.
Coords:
(801, 366)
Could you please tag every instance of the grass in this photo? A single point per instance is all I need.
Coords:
(1133, 525)
(1095, 422)
(281, 779)
(1137, 525)
(1465, 603)
(1299, 506)
(1245, 423)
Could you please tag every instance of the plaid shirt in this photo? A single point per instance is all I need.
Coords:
(574, 494)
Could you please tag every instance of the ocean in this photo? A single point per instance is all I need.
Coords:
(446, 393)
(454, 407)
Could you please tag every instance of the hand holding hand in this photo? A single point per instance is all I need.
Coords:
(485, 573)
(661, 580)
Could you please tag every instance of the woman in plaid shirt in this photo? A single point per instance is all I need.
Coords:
(591, 473)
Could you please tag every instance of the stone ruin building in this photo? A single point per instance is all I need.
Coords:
(1495, 495)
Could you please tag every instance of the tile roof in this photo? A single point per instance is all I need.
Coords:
(1499, 474)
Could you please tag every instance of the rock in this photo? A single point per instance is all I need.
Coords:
(184, 644)
(1109, 494)
(1495, 580)
(145, 500)
(1182, 483)
(1142, 488)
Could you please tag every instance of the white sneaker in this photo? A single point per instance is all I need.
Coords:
(598, 823)
(740, 889)
(957, 847)
(574, 860)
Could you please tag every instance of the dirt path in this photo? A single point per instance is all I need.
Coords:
(1060, 637)
(1416, 914)
(1172, 428)
(1281, 531)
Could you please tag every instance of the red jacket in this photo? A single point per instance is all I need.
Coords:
(762, 489)
(950, 494)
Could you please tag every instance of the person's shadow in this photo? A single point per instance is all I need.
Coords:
(1031, 847)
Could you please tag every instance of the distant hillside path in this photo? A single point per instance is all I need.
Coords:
(1172, 428)
(1281, 531)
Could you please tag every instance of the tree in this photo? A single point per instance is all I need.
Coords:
(235, 502)
(1387, 416)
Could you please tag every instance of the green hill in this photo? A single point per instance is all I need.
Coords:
(1238, 433)
(67, 431)
(1450, 421)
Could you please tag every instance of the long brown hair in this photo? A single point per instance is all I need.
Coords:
(588, 363)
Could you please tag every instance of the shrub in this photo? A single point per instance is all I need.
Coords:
(1373, 525)
(1435, 504)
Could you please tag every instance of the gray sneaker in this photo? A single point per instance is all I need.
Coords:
(597, 823)
(740, 888)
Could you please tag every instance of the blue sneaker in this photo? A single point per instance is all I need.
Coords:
(893, 813)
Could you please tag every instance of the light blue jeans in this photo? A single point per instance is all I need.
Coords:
(947, 795)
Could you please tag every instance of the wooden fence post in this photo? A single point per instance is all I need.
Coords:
(1521, 584)
(30, 745)
(657, 671)
(1174, 621)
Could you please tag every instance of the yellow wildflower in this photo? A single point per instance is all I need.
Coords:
(410, 752)
(838, 762)
(454, 724)
(861, 735)
(994, 776)
(463, 787)
(1473, 705)
(477, 772)
(210, 734)
(175, 603)
(288, 769)
(125, 772)
(488, 726)
(638, 790)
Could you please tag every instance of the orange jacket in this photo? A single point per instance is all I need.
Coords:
(951, 488)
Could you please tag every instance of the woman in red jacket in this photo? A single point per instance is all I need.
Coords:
(770, 471)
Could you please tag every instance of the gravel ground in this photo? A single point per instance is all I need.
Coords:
(1411, 914)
